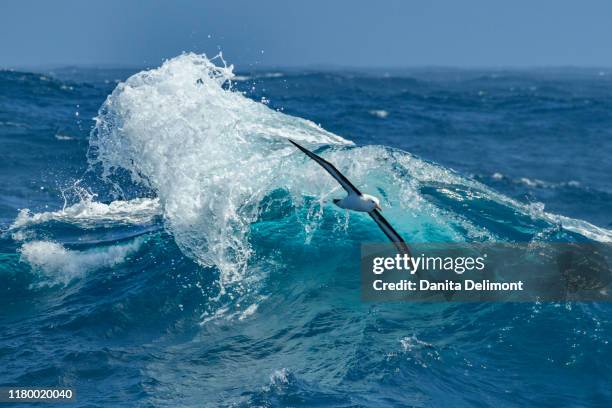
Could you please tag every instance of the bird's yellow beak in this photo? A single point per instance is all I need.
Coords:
(379, 207)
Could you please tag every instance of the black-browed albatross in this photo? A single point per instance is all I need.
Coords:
(357, 201)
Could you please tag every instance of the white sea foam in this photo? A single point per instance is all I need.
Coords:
(60, 136)
(536, 183)
(273, 75)
(410, 343)
(89, 213)
(421, 352)
(280, 377)
(379, 113)
(249, 311)
(581, 227)
(60, 265)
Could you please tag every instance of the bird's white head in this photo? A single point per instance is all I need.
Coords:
(372, 202)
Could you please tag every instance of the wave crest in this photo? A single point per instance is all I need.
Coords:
(89, 213)
(208, 152)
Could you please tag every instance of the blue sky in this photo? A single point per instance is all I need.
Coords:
(375, 33)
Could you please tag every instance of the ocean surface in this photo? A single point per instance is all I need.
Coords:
(161, 244)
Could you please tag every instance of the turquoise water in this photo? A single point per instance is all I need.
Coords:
(176, 251)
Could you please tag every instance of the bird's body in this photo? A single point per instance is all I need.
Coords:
(357, 201)
(361, 203)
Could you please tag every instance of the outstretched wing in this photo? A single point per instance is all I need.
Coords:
(331, 169)
(392, 234)
(351, 189)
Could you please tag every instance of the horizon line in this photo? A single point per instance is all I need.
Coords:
(316, 66)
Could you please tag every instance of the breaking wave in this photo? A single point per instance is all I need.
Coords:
(219, 163)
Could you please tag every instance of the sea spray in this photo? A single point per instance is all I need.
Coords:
(210, 153)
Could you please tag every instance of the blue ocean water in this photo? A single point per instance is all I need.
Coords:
(162, 245)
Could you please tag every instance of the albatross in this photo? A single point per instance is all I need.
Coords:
(358, 201)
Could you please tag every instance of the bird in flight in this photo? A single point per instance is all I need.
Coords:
(357, 201)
